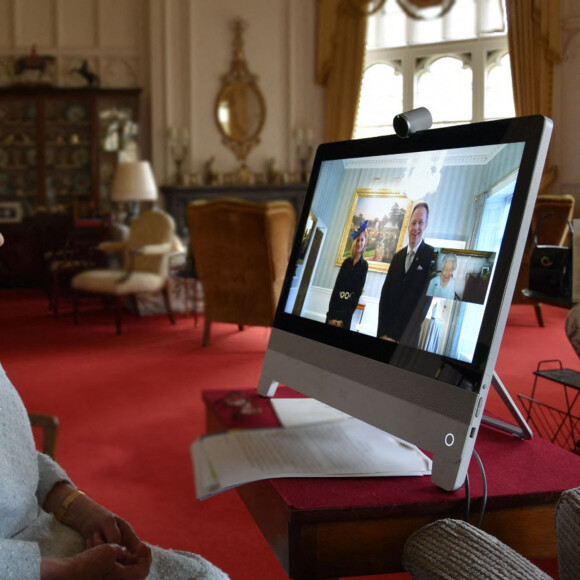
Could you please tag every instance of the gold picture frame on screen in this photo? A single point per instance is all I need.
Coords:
(388, 214)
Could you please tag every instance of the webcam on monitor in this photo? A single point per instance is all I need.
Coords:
(406, 124)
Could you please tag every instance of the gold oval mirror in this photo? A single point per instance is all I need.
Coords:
(240, 109)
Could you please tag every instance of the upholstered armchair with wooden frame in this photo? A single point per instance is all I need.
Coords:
(241, 251)
(450, 549)
(48, 427)
(146, 265)
(555, 231)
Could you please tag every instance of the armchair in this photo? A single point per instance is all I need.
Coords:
(48, 425)
(453, 549)
(241, 251)
(556, 232)
(146, 265)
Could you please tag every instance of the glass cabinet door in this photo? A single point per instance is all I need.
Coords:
(59, 148)
(67, 152)
(19, 153)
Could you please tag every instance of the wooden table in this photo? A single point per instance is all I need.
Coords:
(335, 528)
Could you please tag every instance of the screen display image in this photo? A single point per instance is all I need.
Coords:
(462, 201)
(401, 277)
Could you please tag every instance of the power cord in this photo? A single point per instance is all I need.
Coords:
(484, 496)
(468, 493)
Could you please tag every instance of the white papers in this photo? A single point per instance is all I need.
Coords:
(343, 448)
(305, 411)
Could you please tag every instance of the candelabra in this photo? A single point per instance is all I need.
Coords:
(178, 148)
(304, 139)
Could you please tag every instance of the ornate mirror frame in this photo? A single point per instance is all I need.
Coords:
(240, 109)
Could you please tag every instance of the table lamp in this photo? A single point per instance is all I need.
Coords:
(134, 183)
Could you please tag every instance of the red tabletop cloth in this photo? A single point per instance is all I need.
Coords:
(519, 472)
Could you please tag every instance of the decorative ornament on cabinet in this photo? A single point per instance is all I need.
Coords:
(90, 78)
(34, 69)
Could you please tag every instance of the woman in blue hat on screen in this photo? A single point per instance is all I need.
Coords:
(350, 281)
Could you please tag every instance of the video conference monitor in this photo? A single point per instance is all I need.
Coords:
(409, 348)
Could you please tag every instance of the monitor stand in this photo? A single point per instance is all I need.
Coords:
(522, 429)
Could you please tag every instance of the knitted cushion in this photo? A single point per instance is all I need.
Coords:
(455, 550)
(568, 534)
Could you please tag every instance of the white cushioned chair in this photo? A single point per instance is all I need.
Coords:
(146, 265)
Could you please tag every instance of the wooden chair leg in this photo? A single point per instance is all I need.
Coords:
(539, 313)
(52, 300)
(75, 300)
(206, 332)
(167, 300)
(135, 304)
(119, 313)
(195, 315)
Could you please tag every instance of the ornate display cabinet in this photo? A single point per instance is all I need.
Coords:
(59, 147)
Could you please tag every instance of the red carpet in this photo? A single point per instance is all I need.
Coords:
(130, 406)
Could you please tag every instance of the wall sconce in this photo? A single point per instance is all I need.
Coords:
(178, 140)
(304, 138)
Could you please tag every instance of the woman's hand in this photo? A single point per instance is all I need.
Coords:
(109, 561)
(97, 525)
(338, 323)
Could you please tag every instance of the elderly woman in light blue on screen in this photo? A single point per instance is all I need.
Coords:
(443, 285)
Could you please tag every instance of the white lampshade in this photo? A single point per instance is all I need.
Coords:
(134, 181)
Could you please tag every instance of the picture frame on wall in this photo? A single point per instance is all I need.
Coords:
(10, 212)
(388, 214)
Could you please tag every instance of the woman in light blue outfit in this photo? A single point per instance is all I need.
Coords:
(443, 286)
(50, 530)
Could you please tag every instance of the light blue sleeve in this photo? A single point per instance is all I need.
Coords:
(49, 474)
(431, 287)
(19, 560)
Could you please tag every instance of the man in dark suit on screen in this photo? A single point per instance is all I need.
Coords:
(405, 284)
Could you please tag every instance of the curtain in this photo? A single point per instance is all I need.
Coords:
(535, 47)
(341, 40)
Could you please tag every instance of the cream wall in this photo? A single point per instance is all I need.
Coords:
(279, 50)
(177, 51)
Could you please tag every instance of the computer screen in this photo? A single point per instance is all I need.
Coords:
(401, 276)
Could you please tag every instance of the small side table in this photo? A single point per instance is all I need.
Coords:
(560, 426)
(340, 527)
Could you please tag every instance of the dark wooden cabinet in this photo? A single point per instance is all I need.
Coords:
(22, 257)
(60, 147)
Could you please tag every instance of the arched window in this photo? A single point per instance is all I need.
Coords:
(457, 66)
(381, 99)
(499, 98)
(452, 78)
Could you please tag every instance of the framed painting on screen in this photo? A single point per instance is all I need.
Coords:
(388, 214)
